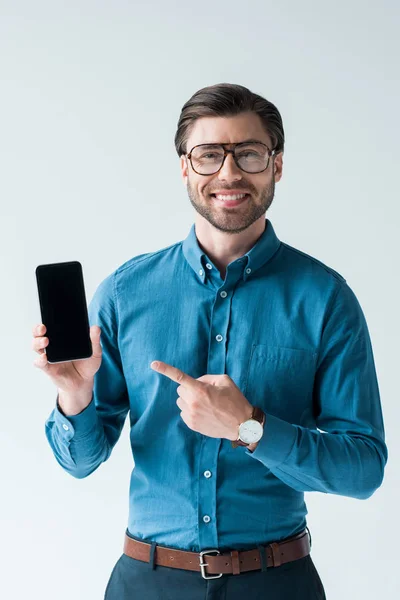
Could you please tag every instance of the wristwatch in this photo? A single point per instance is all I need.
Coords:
(250, 431)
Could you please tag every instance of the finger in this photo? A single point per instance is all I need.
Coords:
(175, 374)
(39, 330)
(41, 362)
(39, 343)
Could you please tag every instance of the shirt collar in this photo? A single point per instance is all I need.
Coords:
(262, 251)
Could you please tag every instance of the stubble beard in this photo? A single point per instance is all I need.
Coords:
(232, 220)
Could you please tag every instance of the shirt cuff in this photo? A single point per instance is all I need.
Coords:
(76, 426)
(276, 443)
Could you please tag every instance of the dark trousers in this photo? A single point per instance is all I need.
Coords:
(131, 579)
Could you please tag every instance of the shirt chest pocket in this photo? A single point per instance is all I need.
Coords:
(280, 380)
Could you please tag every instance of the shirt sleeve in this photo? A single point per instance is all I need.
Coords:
(349, 455)
(80, 443)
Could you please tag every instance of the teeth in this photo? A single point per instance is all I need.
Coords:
(226, 197)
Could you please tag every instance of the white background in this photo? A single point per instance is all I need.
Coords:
(89, 102)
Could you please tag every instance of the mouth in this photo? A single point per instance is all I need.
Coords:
(229, 203)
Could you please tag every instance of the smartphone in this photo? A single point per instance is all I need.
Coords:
(64, 311)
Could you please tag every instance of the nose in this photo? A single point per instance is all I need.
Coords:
(229, 169)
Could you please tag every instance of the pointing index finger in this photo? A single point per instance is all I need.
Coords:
(173, 373)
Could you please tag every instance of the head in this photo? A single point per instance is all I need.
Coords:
(229, 113)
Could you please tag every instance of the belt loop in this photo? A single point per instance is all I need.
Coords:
(235, 562)
(262, 551)
(309, 534)
(152, 555)
(276, 557)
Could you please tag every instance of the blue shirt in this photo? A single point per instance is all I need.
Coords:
(290, 333)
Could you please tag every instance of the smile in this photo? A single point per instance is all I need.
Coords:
(233, 200)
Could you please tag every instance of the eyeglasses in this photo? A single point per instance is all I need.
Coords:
(251, 157)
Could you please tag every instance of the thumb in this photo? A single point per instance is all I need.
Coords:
(95, 334)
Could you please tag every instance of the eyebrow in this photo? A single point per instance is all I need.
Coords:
(229, 143)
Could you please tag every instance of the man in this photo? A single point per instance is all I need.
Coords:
(265, 386)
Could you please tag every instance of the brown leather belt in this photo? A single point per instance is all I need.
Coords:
(234, 561)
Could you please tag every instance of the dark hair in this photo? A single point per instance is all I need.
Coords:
(228, 99)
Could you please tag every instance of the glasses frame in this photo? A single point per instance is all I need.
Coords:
(226, 152)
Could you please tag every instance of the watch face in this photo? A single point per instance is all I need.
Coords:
(250, 431)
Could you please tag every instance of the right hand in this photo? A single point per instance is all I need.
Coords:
(74, 376)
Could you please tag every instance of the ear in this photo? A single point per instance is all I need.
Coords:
(278, 166)
(184, 169)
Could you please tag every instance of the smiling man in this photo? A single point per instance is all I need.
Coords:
(248, 371)
(231, 203)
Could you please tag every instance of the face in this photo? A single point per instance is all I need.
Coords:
(260, 186)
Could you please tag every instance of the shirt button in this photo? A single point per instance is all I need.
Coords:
(207, 474)
(208, 266)
(201, 272)
(206, 519)
(248, 270)
(65, 427)
(218, 337)
(223, 294)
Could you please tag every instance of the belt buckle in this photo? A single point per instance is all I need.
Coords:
(203, 564)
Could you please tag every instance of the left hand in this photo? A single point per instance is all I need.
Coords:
(212, 404)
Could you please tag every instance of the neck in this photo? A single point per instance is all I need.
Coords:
(225, 247)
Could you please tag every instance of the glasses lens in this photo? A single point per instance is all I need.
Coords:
(252, 158)
(207, 159)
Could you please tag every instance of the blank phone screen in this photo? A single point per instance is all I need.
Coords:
(64, 312)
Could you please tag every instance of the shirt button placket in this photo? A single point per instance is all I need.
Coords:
(211, 447)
